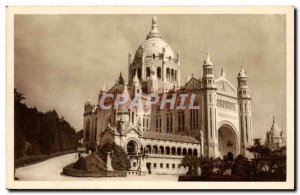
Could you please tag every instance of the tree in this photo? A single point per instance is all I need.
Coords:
(207, 165)
(40, 133)
(260, 155)
(241, 167)
(276, 161)
(192, 163)
(119, 158)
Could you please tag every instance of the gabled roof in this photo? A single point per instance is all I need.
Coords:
(193, 78)
(131, 129)
(227, 88)
(170, 137)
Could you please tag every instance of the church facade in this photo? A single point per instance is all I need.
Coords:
(157, 139)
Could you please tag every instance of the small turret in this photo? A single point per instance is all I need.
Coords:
(136, 85)
(208, 78)
(243, 89)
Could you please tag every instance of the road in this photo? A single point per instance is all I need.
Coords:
(50, 170)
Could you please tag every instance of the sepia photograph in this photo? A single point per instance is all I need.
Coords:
(150, 98)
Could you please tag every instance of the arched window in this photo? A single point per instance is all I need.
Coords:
(161, 150)
(155, 150)
(132, 148)
(169, 122)
(139, 73)
(159, 72)
(148, 148)
(181, 120)
(87, 130)
(178, 151)
(147, 72)
(184, 152)
(168, 150)
(173, 151)
(168, 73)
(195, 152)
(194, 121)
(153, 56)
(190, 152)
(172, 74)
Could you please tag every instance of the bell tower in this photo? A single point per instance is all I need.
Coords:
(245, 116)
(209, 105)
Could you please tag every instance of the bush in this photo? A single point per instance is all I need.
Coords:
(119, 158)
(80, 164)
(241, 167)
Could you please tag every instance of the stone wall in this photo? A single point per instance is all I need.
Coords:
(68, 170)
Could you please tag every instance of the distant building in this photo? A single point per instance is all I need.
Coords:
(275, 137)
(221, 126)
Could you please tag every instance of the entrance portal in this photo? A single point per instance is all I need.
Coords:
(228, 144)
(132, 148)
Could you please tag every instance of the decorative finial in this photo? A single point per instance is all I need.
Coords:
(188, 78)
(103, 88)
(120, 80)
(242, 73)
(273, 119)
(136, 79)
(208, 61)
(223, 74)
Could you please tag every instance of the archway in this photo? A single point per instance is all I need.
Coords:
(228, 143)
(132, 147)
(148, 165)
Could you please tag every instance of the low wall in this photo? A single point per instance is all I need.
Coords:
(68, 170)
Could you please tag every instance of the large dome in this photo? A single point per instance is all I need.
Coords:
(154, 44)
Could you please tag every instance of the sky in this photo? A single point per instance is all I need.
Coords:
(61, 60)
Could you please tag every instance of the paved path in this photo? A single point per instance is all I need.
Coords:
(51, 169)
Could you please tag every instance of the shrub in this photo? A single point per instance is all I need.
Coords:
(119, 158)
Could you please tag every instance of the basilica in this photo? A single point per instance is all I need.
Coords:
(157, 139)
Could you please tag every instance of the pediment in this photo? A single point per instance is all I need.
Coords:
(132, 130)
(225, 87)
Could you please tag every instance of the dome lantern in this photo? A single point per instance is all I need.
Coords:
(154, 30)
